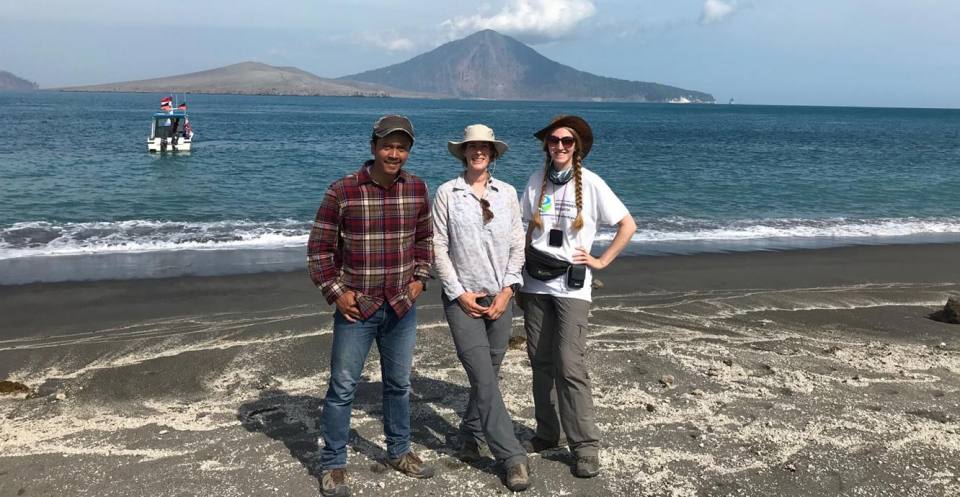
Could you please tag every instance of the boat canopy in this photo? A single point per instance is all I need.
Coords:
(174, 115)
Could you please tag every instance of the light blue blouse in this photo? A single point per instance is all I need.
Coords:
(470, 255)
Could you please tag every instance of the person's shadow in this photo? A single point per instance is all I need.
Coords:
(295, 420)
(291, 419)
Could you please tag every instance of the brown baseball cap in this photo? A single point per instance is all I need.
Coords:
(391, 123)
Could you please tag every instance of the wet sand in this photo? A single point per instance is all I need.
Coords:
(756, 374)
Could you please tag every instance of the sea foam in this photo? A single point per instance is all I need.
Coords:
(683, 229)
(41, 238)
(30, 239)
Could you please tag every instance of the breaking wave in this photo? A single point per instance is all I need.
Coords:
(41, 238)
(28, 239)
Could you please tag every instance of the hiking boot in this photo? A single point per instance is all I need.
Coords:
(587, 466)
(537, 444)
(333, 483)
(469, 451)
(412, 466)
(518, 477)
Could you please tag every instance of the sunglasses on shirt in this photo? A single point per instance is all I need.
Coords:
(487, 213)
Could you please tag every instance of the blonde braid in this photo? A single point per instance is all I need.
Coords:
(578, 178)
(536, 221)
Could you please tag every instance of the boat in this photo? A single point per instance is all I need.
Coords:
(170, 130)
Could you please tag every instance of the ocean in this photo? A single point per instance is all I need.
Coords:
(81, 198)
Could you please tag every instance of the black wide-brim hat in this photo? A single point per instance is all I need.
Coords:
(576, 123)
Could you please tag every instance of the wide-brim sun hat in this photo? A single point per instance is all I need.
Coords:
(576, 123)
(476, 133)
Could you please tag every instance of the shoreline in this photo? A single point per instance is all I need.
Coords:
(794, 373)
(159, 264)
(22, 306)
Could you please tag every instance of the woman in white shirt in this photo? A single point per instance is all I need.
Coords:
(478, 245)
(564, 204)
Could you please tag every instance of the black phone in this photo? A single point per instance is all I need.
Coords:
(556, 238)
(576, 275)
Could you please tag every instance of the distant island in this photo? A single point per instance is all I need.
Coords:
(490, 65)
(484, 65)
(10, 81)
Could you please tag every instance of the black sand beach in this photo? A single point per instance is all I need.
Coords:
(756, 374)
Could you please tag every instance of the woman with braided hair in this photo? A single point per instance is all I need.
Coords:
(564, 204)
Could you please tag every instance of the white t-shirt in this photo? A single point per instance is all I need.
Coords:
(601, 207)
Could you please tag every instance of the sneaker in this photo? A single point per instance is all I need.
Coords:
(333, 483)
(537, 444)
(469, 451)
(412, 466)
(518, 477)
(587, 466)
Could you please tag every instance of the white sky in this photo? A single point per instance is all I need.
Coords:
(816, 52)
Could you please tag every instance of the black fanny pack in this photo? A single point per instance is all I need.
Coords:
(543, 266)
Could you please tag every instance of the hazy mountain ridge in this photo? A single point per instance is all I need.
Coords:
(10, 81)
(487, 64)
(250, 78)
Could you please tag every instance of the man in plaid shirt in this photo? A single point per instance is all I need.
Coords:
(369, 252)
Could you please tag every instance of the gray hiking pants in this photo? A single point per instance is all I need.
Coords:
(481, 345)
(556, 342)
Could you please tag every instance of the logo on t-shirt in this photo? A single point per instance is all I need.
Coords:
(547, 204)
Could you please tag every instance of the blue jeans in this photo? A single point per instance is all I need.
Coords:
(395, 339)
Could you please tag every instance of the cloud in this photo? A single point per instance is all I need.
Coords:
(716, 10)
(399, 45)
(532, 21)
(387, 42)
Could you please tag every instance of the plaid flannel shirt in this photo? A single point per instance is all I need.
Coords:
(373, 240)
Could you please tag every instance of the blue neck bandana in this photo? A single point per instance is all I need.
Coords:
(560, 177)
